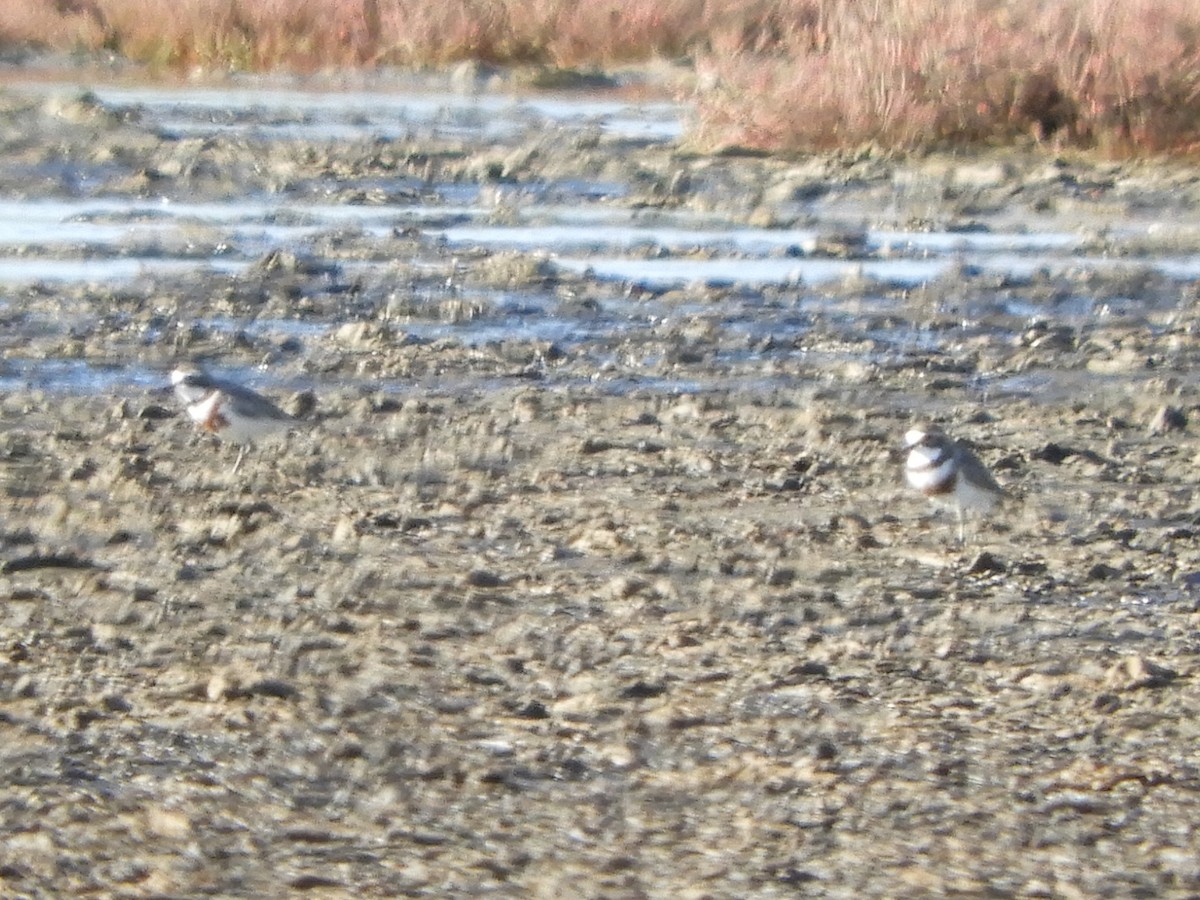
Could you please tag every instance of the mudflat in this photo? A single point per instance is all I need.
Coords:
(637, 608)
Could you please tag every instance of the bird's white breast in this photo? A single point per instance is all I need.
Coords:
(923, 470)
(202, 410)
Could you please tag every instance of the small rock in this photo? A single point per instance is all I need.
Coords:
(825, 750)
(129, 871)
(80, 109)
(1102, 572)
(45, 561)
(1138, 672)
(534, 709)
(986, 563)
(218, 687)
(24, 686)
(344, 532)
(809, 669)
(1167, 419)
(127, 582)
(311, 836)
(358, 335)
(116, 703)
(781, 576)
(168, 823)
(303, 404)
(1037, 888)
(144, 593)
(1053, 453)
(527, 408)
(596, 445)
(643, 690)
(482, 578)
(313, 882)
(273, 687)
(981, 175)
(156, 411)
(622, 587)
(1120, 363)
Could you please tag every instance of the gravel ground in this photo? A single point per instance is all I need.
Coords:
(514, 619)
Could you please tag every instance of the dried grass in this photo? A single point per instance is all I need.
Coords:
(305, 34)
(1122, 76)
(1119, 75)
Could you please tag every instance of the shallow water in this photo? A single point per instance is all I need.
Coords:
(350, 115)
(754, 292)
(111, 271)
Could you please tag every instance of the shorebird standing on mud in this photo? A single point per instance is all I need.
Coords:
(949, 474)
(227, 409)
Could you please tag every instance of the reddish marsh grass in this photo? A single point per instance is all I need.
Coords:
(306, 34)
(1122, 76)
(217, 34)
(1119, 75)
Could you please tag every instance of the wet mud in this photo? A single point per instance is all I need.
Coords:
(576, 585)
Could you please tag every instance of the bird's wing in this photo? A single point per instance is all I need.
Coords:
(251, 403)
(977, 471)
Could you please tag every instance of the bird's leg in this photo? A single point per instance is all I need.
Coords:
(241, 453)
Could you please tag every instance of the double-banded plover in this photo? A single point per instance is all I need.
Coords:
(227, 409)
(949, 474)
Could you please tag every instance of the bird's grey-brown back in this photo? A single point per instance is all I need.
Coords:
(976, 472)
(252, 404)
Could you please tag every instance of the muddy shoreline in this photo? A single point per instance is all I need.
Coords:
(639, 607)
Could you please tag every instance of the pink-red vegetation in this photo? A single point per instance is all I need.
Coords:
(1121, 76)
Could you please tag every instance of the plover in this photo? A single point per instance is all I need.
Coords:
(948, 473)
(227, 409)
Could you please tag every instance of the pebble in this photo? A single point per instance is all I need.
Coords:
(1138, 672)
(1167, 419)
(556, 667)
